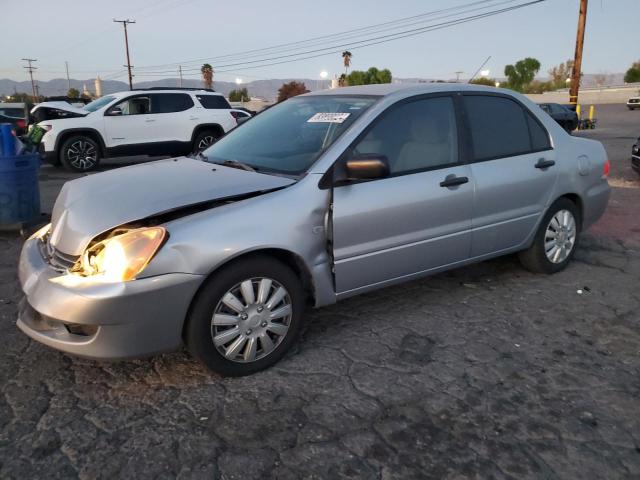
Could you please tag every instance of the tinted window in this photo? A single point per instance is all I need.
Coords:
(289, 137)
(213, 101)
(539, 136)
(498, 127)
(170, 102)
(12, 112)
(414, 136)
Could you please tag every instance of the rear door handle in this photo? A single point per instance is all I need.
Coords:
(542, 163)
(452, 181)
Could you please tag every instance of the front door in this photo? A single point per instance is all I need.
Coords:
(418, 218)
(128, 122)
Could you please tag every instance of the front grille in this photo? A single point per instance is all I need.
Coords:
(58, 260)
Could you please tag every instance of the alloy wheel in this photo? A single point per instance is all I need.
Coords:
(560, 236)
(205, 142)
(251, 320)
(82, 155)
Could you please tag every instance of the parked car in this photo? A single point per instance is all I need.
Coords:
(633, 103)
(322, 197)
(19, 124)
(139, 122)
(566, 118)
(635, 156)
(16, 110)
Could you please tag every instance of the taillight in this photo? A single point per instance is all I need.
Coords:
(235, 115)
(21, 123)
(607, 168)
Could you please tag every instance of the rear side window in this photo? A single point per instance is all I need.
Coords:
(213, 101)
(500, 127)
(170, 102)
(539, 136)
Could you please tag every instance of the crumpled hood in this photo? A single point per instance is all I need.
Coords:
(64, 106)
(89, 206)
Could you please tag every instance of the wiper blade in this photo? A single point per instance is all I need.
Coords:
(237, 164)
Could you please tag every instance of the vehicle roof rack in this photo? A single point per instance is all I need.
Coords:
(176, 88)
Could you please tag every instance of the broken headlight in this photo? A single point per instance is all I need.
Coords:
(122, 256)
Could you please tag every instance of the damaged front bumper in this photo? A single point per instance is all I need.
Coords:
(102, 320)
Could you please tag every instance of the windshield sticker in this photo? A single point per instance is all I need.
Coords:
(328, 118)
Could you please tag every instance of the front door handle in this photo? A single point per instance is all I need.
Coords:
(542, 163)
(452, 181)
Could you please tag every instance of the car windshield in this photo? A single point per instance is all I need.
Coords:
(99, 103)
(288, 138)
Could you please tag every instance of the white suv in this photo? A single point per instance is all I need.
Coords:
(156, 121)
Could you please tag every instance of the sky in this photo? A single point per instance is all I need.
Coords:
(170, 31)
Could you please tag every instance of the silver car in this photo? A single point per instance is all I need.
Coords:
(322, 197)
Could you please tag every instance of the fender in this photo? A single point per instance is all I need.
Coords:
(65, 133)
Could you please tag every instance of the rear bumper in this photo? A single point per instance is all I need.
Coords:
(102, 321)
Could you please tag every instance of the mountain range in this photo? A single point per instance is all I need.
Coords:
(267, 89)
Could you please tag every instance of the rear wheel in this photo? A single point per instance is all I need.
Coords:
(556, 239)
(80, 154)
(204, 140)
(246, 317)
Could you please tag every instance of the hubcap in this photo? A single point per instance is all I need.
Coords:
(82, 155)
(251, 320)
(560, 236)
(205, 142)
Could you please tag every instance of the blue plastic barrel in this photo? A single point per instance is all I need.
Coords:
(7, 146)
(19, 190)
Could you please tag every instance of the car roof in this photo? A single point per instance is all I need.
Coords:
(388, 89)
(142, 91)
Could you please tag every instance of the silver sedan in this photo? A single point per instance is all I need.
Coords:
(322, 197)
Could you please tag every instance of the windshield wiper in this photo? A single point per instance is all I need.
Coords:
(237, 164)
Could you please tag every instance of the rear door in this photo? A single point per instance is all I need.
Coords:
(513, 169)
(169, 118)
(410, 222)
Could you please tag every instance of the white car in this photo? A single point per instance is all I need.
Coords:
(633, 103)
(156, 121)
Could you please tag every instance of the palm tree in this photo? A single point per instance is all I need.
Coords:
(346, 59)
(207, 75)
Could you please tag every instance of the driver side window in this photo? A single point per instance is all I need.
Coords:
(132, 106)
(415, 136)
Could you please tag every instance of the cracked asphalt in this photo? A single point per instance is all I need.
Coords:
(483, 372)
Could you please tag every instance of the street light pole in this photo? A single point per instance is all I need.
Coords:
(577, 60)
(126, 44)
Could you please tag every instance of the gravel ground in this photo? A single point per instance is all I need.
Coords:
(483, 372)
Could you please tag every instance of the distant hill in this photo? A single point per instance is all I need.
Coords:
(267, 89)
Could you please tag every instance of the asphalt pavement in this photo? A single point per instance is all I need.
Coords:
(484, 372)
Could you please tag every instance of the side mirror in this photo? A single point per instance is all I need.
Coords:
(115, 111)
(367, 167)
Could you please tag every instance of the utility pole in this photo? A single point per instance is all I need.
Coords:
(180, 75)
(66, 66)
(126, 44)
(30, 69)
(458, 75)
(577, 60)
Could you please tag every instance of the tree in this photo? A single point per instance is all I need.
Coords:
(490, 82)
(371, 76)
(73, 93)
(522, 73)
(207, 75)
(560, 73)
(633, 74)
(291, 89)
(346, 60)
(240, 95)
(20, 97)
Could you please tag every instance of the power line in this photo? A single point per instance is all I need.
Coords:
(337, 36)
(126, 43)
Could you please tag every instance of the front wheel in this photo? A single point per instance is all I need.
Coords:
(246, 317)
(80, 154)
(556, 239)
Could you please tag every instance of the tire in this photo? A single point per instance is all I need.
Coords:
(535, 258)
(204, 140)
(244, 326)
(80, 153)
